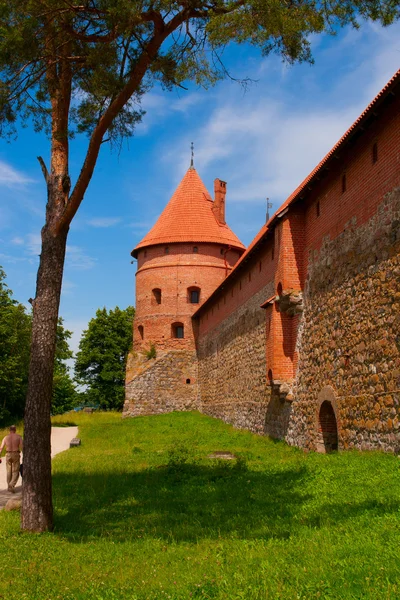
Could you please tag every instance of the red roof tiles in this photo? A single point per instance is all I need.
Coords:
(188, 217)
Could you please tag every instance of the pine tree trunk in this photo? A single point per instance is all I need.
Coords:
(37, 508)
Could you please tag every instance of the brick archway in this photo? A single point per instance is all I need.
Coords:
(327, 426)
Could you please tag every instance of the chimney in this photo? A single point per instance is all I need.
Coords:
(219, 200)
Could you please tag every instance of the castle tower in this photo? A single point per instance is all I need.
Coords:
(181, 261)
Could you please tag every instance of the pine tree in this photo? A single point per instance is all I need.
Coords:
(83, 68)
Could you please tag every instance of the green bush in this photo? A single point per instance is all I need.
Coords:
(151, 353)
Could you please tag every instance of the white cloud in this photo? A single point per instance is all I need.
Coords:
(8, 258)
(33, 244)
(67, 287)
(104, 221)
(158, 106)
(186, 102)
(10, 177)
(76, 258)
(17, 241)
(265, 143)
(143, 225)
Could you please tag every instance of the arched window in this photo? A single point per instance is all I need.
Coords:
(156, 296)
(141, 331)
(177, 330)
(194, 295)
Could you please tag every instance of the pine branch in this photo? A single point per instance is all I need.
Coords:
(44, 169)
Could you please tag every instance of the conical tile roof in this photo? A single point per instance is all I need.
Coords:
(188, 217)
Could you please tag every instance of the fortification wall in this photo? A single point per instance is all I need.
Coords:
(347, 341)
(163, 384)
(232, 366)
(350, 340)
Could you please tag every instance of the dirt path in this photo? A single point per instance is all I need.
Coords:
(60, 439)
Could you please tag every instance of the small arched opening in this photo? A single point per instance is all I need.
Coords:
(327, 428)
(156, 296)
(193, 295)
(141, 331)
(178, 330)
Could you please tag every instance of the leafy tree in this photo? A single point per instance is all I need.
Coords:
(82, 68)
(65, 395)
(101, 359)
(15, 335)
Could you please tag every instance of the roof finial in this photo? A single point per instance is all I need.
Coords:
(192, 151)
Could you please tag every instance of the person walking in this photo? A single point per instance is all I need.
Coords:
(13, 444)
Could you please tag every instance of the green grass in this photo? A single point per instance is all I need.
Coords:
(142, 513)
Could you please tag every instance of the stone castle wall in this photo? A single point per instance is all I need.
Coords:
(338, 362)
(232, 366)
(349, 346)
(162, 384)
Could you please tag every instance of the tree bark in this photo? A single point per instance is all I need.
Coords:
(37, 508)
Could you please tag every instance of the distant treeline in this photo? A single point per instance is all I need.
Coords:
(99, 364)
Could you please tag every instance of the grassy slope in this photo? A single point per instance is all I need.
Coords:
(136, 520)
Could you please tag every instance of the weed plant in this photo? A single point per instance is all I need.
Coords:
(143, 513)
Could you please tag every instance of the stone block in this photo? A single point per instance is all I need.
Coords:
(75, 442)
(13, 504)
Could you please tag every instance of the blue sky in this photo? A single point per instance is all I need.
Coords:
(262, 141)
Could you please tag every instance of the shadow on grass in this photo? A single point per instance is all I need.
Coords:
(336, 513)
(188, 503)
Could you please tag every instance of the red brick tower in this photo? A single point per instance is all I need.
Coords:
(181, 261)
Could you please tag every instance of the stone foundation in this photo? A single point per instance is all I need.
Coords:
(162, 384)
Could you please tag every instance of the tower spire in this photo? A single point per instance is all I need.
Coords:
(192, 156)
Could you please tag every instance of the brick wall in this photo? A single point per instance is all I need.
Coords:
(340, 245)
(173, 271)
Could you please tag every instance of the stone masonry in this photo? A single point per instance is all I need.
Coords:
(232, 367)
(162, 384)
(350, 341)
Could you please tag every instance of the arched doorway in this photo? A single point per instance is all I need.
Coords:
(327, 428)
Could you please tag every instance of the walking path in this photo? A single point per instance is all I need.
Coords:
(60, 439)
